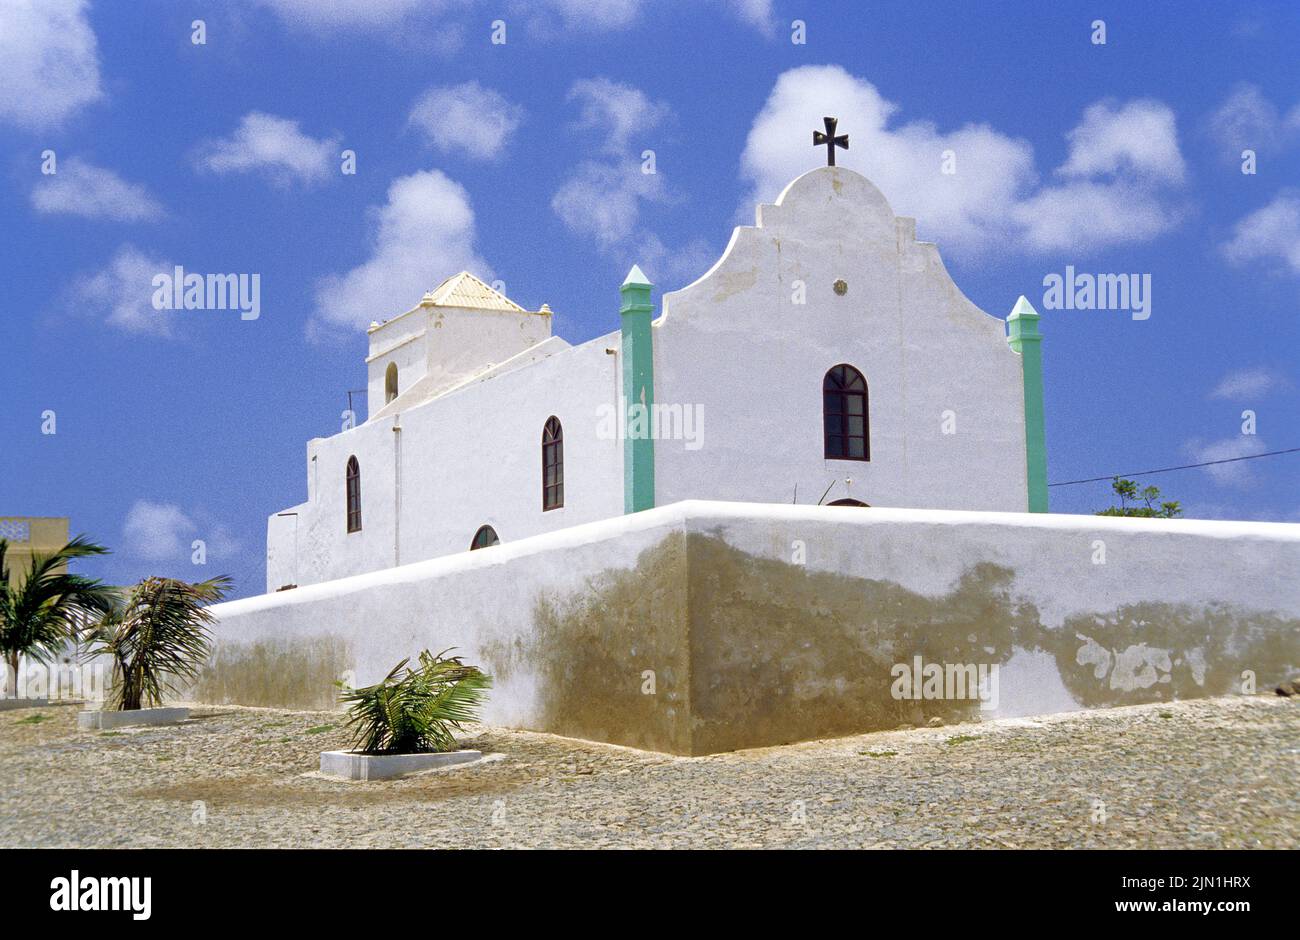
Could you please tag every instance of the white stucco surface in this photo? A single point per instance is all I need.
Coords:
(466, 458)
(738, 344)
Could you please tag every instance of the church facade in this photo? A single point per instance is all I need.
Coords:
(827, 356)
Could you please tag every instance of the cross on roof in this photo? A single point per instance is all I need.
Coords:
(830, 140)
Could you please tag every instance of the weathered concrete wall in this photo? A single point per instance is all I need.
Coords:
(762, 624)
(1075, 611)
(523, 610)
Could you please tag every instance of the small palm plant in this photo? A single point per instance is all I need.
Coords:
(40, 611)
(416, 712)
(157, 636)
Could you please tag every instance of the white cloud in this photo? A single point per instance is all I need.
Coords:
(1248, 120)
(672, 268)
(610, 15)
(1120, 161)
(80, 188)
(1227, 474)
(122, 293)
(474, 121)
(423, 233)
(1249, 384)
(618, 112)
(542, 17)
(271, 145)
(49, 62)
(757, 13)
(597, 14)
(390, 15)
(157, 531)
(1081, 215)
(603, 200)
(347, 14)
(903, 161)
(1110, 190)
(1139, 137)
(164, 532)
(1272, 232)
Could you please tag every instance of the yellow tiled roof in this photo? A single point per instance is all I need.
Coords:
(465, 290)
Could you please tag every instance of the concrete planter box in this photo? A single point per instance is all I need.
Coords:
(353, 766)
(9, 704)
(103, 720)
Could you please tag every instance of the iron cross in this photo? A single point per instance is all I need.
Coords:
(830, 140)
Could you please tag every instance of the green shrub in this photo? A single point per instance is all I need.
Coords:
(416, 711)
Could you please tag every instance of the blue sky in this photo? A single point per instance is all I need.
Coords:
(522, 160)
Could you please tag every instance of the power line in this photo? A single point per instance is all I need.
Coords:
(1189, 466)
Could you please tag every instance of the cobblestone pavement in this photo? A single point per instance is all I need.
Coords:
(1212, 773)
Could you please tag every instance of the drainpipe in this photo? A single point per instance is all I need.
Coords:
(1024, 338)
(397, 490)
(638, 393)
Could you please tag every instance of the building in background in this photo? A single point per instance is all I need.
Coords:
(28, 536)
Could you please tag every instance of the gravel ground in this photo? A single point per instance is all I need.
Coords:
(1212, 773)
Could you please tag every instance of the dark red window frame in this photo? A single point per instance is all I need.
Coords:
(552, 464)
(485, 537)
(845, 422)
(354, 495)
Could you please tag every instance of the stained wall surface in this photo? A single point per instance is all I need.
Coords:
(705, 626)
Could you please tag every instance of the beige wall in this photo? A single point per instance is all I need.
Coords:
(43, 534)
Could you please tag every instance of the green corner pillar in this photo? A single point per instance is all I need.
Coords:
(1024, 338)
(638, 361)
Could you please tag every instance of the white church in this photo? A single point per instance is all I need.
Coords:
(827, 356)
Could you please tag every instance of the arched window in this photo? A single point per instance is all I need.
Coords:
(354, 495)
(849, 502)
(552, 464)
(485, 537)
(390, 383)
(844, 414)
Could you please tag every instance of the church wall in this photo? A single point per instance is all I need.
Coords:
(468, 458)
(412, 364)
(515, 609)
(400, 340)
(710, 626)
(736, 346)
(473, 456)
(462, 342)
(800, 616)
(309, 543)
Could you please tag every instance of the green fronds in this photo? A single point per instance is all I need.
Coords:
(416, 712)
(157, 636)
(45, 606)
